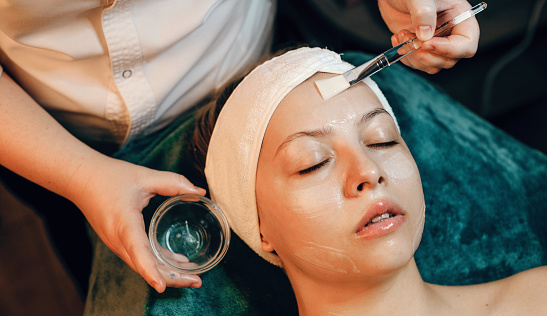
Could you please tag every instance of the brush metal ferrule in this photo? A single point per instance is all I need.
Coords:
(368, 69)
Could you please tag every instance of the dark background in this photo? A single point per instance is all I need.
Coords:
(505, 83)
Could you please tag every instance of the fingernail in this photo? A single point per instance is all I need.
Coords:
(425, 32)
(158, 286)
(417, 43)
(201, 190)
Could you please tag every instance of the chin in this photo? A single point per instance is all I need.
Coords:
(387, 259)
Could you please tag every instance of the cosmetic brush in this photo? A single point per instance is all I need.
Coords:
(332, 86)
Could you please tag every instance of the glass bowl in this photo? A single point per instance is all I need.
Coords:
(189, 233)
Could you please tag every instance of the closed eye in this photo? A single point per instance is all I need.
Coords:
(314, 167)
(383, 145)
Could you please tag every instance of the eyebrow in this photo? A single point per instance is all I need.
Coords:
(325, 130)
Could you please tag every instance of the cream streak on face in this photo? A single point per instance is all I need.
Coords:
(322, 199)
(328, 258)
(337, 112)
(398, 166)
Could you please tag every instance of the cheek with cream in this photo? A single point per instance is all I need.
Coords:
(398, 165)
(316, 209)
(320, 201)
(326, 258)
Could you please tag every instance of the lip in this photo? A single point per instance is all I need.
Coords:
(384, 227)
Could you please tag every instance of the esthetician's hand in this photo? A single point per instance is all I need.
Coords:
(111, 193)
(112, 199)
(404, 17)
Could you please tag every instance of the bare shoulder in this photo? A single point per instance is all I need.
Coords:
(524, 292)
(529, 281)
(521, 294)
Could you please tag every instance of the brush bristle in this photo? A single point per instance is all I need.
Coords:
(332, 86)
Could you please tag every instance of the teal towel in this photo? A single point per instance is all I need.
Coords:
(485, 196)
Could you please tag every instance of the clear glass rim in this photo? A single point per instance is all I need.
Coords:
(219, 215)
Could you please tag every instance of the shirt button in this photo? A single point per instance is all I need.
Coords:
(127, 74)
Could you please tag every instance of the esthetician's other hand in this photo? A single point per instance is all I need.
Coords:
(404, 17)
(112, 200)
(111, 193)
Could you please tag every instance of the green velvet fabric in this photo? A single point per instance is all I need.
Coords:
(486, 211)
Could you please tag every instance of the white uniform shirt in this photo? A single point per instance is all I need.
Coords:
(115, 70)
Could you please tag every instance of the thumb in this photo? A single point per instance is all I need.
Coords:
(169, 183)
(423, 14)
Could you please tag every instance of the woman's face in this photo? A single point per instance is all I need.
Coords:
(338, 191)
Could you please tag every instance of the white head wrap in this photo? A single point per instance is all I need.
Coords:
(232, 157)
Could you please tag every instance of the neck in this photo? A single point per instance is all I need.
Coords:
(402, 292)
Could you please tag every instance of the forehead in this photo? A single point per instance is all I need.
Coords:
(304, 105)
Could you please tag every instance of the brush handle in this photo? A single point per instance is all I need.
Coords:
(400, 51)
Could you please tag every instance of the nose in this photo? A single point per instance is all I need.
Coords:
(363, 174)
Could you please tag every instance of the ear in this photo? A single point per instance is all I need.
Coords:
(266, 245)
(264, 240)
